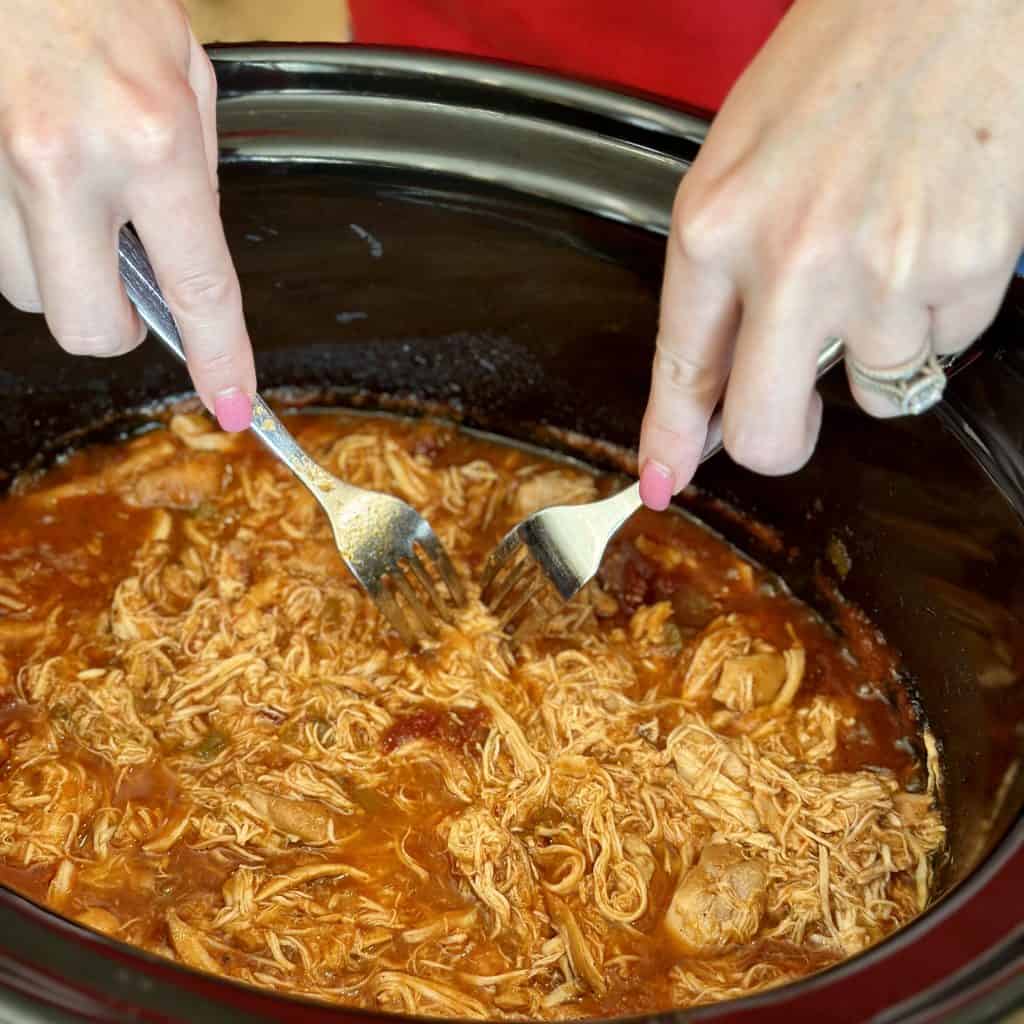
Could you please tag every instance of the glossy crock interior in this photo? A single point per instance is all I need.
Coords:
(401, 246)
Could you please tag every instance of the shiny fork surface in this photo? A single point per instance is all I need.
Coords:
(385, 543)
(549, 557)
(552, 555)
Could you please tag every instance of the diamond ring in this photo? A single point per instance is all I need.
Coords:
(913, 387)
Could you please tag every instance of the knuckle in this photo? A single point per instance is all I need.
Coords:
(681, 373)
(763, 451)
(703, 219)
(77, 342)
(156, 141)
(40, 148)
(201, 292)
(223, 366)
(965, 259)
(216, 365)
(888, 254)
(158, 125)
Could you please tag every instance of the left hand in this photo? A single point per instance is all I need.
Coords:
(864, 179)
(108, 115)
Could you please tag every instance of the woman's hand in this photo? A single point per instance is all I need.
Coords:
(107, 114)
(865, 180)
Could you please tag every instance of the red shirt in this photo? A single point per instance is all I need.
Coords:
(690, 50)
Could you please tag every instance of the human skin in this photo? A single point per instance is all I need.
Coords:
(864, 180)
(107, 114)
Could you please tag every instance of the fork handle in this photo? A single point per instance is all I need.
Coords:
(144, 292)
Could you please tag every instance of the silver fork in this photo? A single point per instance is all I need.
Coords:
(552, 555)
(383, 541)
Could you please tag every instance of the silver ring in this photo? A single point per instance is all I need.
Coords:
(913, 387)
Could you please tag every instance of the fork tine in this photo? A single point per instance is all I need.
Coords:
(500, 557)
(435, 551)
(529, 622)
(533, 615)
(389, 606)
(503, 583)
(420, 571)
(406, 589)
(532, 589)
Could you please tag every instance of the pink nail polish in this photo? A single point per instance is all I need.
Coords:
(233, 410)
(657, 485)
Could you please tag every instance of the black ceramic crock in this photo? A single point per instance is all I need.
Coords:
(487, 242)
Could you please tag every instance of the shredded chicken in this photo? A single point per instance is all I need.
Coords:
(553, 487)
(719, 902)
(214, 748)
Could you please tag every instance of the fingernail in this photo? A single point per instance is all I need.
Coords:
(233, 410)
(657, 485)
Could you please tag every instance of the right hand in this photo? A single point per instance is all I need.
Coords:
(864, 180)
(109, 115)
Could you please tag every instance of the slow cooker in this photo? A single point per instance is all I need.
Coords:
(418, 232)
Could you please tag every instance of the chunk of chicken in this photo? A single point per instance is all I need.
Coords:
(62, 885)
(581, 956)
(16, 631)
(724, 639)
(739, 669)
(913, 808)
(667, 557)
(185, 483)
(200, 434)
(716, 776)
(750, 680)
(189, 944)
(170, 831)
(496, 866)
(307, 820)
(298, 877)
(52, 799)
(400, 992)
(719, 902)
(140, 456)
(553, 488)
(578, 783)
(649, 621)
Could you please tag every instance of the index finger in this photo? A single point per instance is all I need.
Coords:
(699, 315)
(177, 218)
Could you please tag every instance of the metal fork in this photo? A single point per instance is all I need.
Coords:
(384, 542)
(552, 555)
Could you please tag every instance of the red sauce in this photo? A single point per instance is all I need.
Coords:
(857, 667)
(395, 832)
(460, 730)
